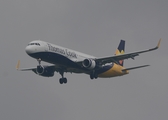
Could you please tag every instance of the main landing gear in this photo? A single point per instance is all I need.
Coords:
(63, 79)
(93, 75)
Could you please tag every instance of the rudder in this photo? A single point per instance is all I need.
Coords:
(120, 50)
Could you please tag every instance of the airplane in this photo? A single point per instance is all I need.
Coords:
(66, 60)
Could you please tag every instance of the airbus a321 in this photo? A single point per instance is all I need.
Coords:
(66, 60)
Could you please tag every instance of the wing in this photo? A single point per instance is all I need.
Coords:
(23, 69)
(56, 68)
(124, 56)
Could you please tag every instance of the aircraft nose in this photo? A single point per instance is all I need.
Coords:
(29, 50)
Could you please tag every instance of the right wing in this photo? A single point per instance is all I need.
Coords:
(124, 56)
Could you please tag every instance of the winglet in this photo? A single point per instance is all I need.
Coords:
(18, 65)
(159, 43)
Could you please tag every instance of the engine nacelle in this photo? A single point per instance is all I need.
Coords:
(40, 69)
(44, 71)
(89, 64)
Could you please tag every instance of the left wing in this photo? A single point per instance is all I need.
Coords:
(33, 68)
(23, 69)
(56, 68)
(124, 56)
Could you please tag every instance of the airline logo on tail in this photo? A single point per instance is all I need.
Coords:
(120, 50)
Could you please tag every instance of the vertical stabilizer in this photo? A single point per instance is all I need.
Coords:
(120, 50)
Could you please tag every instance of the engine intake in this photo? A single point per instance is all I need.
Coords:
(40, 69)
(89, 64)
(45, 71)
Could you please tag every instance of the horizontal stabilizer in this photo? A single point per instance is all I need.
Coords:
(134, 67)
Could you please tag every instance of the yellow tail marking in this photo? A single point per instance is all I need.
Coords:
(118, 52)
(122, 52)
(116, 70)
(18, 65)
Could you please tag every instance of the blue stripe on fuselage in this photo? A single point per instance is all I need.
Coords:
(54, 58)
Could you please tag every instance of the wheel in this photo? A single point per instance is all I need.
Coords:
(95, 76)
(61, 80)
(91, 76)
(65, 80)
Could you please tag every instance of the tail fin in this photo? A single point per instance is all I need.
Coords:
(120, 50)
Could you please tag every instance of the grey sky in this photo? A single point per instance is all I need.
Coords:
(94, 27)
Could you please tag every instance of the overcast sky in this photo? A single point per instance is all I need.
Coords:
(94, 27)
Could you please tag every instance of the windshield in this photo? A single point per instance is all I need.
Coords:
(34, 44)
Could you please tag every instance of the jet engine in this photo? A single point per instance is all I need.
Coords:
(45, 71)
(89, 64)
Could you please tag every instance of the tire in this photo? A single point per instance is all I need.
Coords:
(61, 81)
(65, 80)
(91, 76)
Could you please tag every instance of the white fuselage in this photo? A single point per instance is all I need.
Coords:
(38, 46)
(68, 60)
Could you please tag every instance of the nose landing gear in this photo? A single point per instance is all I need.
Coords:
(39, 61)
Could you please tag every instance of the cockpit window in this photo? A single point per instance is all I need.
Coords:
(38, 44)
